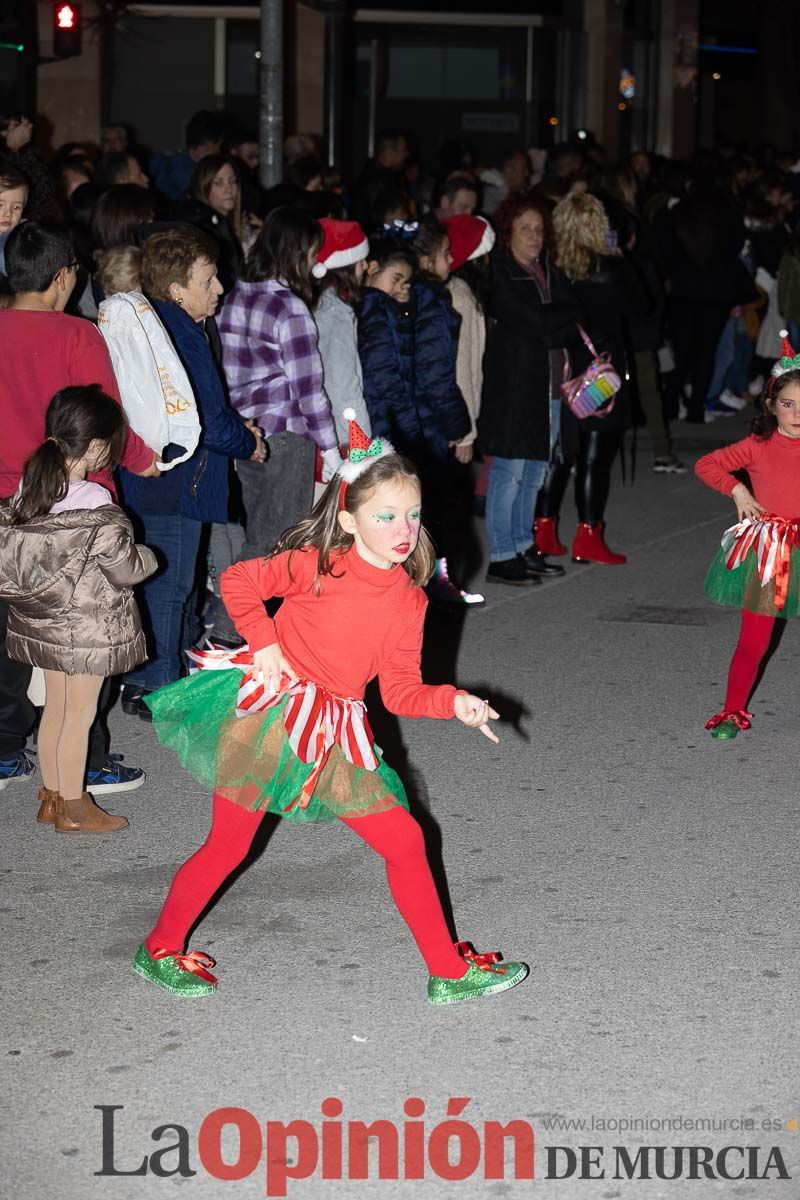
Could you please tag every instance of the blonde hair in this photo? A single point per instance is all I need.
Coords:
(321, 530)
(582, 231)
(119, 269)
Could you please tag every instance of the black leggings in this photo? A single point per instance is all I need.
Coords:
(592, 477)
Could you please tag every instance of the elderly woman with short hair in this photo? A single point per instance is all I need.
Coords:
(179, 275)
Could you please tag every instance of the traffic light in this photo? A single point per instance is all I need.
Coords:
(67, 30)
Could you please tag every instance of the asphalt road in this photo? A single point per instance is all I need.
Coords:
(646, 873)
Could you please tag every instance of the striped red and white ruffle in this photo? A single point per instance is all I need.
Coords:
(771, 539)
(315, 719)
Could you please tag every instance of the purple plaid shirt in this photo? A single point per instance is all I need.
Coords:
(272, 362)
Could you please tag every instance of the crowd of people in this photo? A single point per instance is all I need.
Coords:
(186, 355)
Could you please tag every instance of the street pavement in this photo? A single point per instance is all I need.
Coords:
(646, 873)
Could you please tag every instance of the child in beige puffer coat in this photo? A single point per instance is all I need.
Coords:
(68, 562)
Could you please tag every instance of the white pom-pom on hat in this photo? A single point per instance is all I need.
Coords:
(319, 270)
(349, 414)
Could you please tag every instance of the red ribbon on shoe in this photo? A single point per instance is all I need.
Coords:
(740, 718)
(484, 962)
(195, 961)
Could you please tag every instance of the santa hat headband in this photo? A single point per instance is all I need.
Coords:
(364, 452)
(789, 359)
(344, 244)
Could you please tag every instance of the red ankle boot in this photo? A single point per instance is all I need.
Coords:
(590, 546)
(545, 533)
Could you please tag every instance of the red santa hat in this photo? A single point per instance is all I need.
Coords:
(470, 237)
(364, 451)
(345, 244)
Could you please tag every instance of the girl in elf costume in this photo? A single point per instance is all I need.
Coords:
(285, 731)
(757, 567)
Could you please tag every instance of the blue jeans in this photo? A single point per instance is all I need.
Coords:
(731, 360)
(163, 598)
(511, 492)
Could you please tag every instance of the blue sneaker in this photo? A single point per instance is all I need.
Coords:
(113, 777)
(13, 769)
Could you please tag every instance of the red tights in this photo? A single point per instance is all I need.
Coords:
(748, 656)
(395, 835)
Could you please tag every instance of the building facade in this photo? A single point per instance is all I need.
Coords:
(521, 72)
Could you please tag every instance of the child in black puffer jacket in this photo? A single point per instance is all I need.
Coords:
(386, 346)
(437, 394)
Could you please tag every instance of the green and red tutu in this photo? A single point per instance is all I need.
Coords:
(758, 567)
(249, 757)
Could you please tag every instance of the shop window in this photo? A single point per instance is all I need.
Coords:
(445, 73)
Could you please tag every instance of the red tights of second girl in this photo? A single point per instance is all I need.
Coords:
(754, 639)
(395, 835)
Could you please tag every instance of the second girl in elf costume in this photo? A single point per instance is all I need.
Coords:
(285, 729)
(757, 567)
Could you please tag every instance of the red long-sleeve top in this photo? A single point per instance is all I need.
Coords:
(365, 622)
(43, 352)
(773, 465)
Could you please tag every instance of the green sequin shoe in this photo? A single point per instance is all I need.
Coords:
(725, 725)
(178, 974)
(484, 976)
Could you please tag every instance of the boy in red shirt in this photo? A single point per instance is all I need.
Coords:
(44, 350)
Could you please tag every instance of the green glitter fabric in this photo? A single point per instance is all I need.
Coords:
(741, 588)
(250, 761)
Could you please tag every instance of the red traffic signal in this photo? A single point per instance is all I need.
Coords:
(67, 30)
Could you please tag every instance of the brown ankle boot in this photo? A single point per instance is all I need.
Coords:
(84, 816)
(48, 799)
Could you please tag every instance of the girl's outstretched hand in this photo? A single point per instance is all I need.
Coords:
(746, 503)
(269, 665)
(476, 714)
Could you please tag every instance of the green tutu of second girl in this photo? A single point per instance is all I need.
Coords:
(742, 588)
(250, 760)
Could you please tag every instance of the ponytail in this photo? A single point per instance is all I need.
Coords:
(76, 417)
(45, 480)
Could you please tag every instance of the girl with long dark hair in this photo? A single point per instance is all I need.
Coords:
(67, 564)
(274, 372)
